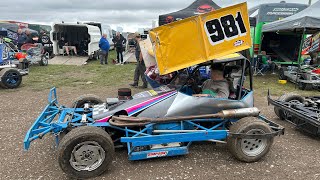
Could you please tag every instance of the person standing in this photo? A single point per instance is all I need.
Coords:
(29, 36)
(104, 49)
(22, 38)
(118, 41)
(141, 67)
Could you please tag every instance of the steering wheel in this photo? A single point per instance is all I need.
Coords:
(192, 81)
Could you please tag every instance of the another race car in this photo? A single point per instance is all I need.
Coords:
(303, 112)
(306, 77)
(11, 69)
(36, 54)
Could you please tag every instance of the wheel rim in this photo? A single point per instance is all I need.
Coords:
(281, 74)
(12, 78)
(87, 156)
(253, 147)
(45, 58)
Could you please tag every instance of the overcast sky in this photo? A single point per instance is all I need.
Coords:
(129, 14)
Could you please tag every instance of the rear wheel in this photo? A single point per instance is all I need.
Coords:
(44, 59)
(249, 150)
(10, 78)
(88, 98)
(281, 74)
(291, 97)
(85, 152)
(302, 85)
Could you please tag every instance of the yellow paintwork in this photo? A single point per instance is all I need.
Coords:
(185, 43)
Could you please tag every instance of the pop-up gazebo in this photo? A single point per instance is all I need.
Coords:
(197, 7)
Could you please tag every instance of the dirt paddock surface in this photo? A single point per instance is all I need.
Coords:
(293, 156)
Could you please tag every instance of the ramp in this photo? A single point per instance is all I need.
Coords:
(129, 57)
(69, 60)
(281, 55)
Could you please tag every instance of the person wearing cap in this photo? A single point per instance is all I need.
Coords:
(118, 41)
(217, 86)
(141, 67)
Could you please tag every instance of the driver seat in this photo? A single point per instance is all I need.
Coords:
(233, 75)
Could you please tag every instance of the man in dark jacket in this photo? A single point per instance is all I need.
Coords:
(118, 41)
(104, 49)
(141, 67)
(22, 38)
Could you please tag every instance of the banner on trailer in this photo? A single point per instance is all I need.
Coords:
(201, 38)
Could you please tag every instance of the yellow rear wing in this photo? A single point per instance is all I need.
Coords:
(201, 38)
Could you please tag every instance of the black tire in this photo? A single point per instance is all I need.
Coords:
(10, 78)
(96, 55)
(249, 150)
(44, 59)
(287, 98)
(281, 74)
(87, 98)
(96, 149)
(304, 86)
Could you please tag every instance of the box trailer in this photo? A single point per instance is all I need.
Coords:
(83, 36)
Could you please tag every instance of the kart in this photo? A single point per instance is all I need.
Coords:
(303, 112)
(167, 120)
(36, 54)
(307, 77)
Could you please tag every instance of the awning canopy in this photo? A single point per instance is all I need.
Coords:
(308, 19)
(197, 7)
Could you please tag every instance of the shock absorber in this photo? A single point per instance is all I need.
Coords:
(86, 111)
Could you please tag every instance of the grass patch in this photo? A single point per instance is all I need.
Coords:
(261, 84)
(92, 75)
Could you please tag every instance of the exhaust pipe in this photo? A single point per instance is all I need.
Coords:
(126, 121)
(239, 113)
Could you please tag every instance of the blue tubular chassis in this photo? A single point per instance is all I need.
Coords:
(150, 141)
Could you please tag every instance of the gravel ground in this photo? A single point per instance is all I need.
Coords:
(293, 156)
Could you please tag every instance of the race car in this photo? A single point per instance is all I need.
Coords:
(167, 120)
(11, 69)
(301, 111)
(307, 77)
(157, 123)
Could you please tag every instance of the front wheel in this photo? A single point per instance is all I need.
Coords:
(10, 78)
(281, 74)
(85, 152)
(44, 59)
(249, 150)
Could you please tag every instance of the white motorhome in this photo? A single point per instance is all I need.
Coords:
(83, 36)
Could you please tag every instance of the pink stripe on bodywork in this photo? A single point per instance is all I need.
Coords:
(140, 106)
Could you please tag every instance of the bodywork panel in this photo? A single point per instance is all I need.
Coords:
(185, 105)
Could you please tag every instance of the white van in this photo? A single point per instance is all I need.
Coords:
(83, 36)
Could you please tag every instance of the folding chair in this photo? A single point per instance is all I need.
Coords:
(257, 65)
